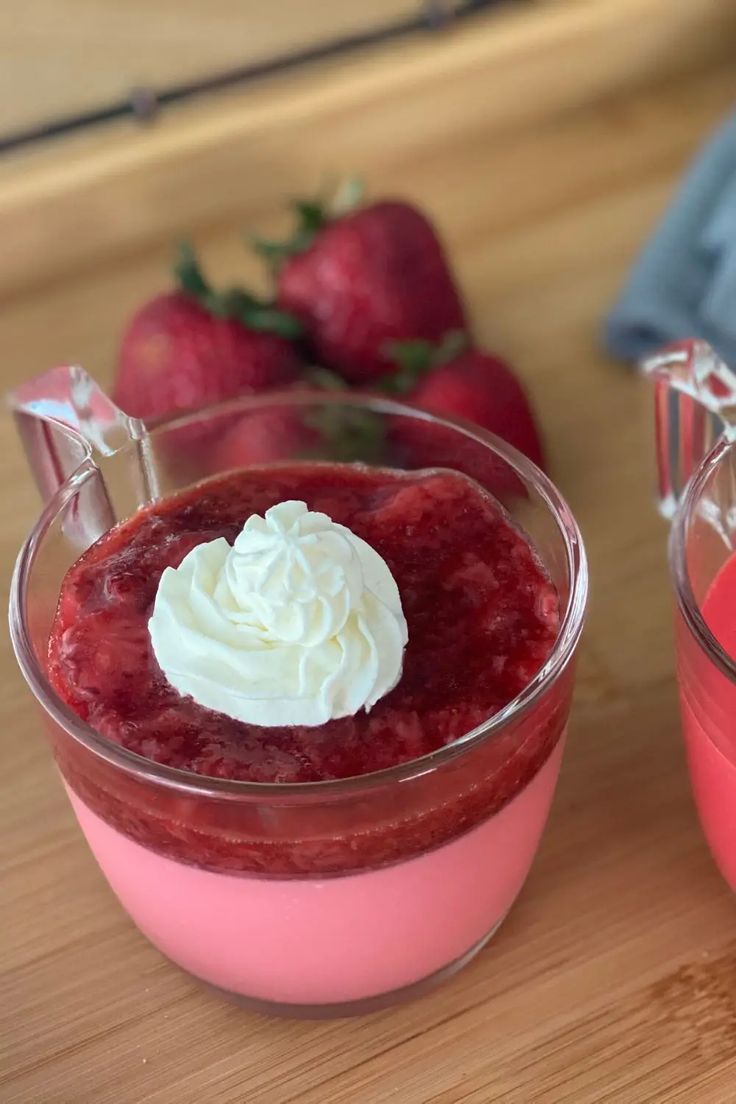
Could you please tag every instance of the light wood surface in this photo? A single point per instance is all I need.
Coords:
(613, 979)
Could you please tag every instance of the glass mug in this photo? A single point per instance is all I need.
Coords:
(206, 866)
(695, 404)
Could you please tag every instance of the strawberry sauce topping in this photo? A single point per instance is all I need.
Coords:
(481, 612)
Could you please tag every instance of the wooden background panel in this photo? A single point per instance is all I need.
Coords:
(64, 56)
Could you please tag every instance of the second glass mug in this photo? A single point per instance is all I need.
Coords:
(695, 405)
(205, 866)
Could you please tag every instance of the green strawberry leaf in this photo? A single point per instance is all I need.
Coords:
(268, 319)
(188, 274)
(256, 314)
(274, 253)
(415, 357)
(324, 379)
(349, 434)
(311, 216)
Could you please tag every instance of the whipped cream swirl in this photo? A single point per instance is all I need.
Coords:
(298, 623)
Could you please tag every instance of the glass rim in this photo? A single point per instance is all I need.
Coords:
(686, 600)
(188, 782)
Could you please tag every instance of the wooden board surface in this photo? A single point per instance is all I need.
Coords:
(613, 980)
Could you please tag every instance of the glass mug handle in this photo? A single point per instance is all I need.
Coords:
(695, 406)
(63, 419)
(68, 425)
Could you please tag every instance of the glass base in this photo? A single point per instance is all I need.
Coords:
(359, 1007)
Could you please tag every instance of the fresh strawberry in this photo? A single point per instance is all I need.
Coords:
(195, 346)
(482, 388)
(457, 381)
(363, 280)
(264, 437)
(316, 430)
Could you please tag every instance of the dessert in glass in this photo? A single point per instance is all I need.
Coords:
(309, 712)
(695, 396)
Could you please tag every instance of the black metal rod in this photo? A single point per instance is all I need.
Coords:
(144, 103)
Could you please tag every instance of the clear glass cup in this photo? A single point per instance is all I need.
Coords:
(695, 403)
(321, 898)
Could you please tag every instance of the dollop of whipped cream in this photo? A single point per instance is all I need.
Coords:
(298, 623)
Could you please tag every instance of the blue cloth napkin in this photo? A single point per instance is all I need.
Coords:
(684, 282)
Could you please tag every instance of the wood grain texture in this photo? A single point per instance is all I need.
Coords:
(613, 980)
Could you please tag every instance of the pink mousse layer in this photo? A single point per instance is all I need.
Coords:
(324, 941)
(713, 779)
(708, 701)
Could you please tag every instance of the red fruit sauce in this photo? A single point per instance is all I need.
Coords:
(482, 616)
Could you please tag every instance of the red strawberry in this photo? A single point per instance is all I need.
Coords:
(343, 434)
(363, 280)
(464, 383)
(263, 437)
(483, 389)
(188, 348)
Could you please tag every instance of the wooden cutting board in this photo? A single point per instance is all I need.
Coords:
(544, 146)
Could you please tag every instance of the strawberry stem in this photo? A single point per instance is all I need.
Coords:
(349, 434)
(312, 215)
(235, 303)
(188, 274)
(414, 358)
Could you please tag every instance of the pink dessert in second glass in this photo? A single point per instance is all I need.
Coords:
(280, 905)
(708, 700)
